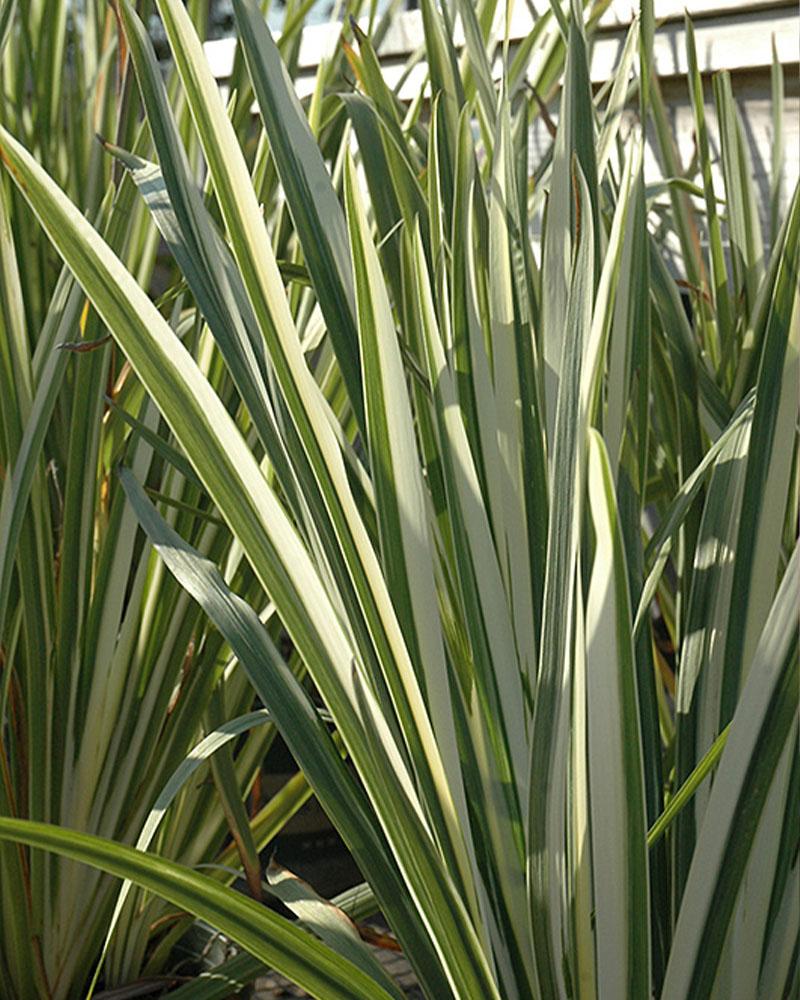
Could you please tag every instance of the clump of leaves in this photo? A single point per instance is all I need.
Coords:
(460, 466)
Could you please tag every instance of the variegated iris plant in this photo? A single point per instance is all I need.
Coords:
(530, 529)
(109, 672)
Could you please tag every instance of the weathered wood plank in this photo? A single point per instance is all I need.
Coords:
(735, 37)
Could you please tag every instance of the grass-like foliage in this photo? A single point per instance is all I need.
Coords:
(109, 672)
(530, 529)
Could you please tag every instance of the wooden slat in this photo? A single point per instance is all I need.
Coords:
(619, 13)
(734, 41)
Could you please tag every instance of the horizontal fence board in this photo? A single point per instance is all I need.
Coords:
(733, 38)
(619, 12)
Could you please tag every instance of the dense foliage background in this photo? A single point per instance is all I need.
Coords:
(303, 430)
